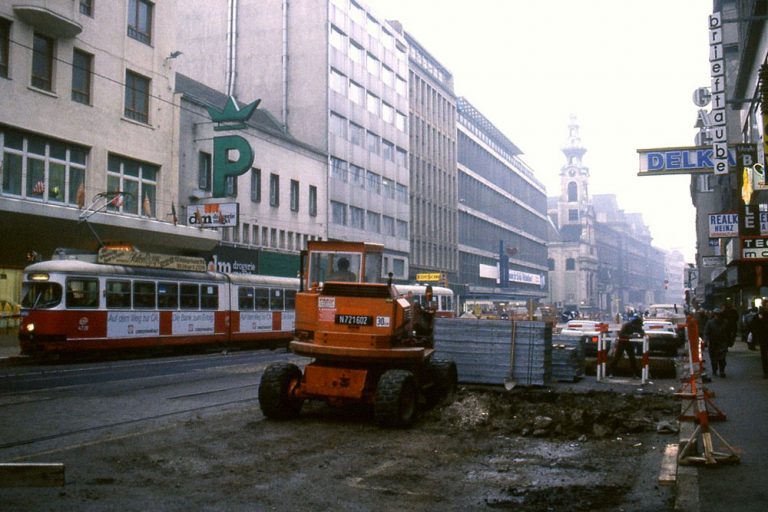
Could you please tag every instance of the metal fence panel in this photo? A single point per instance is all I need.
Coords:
(482, 350)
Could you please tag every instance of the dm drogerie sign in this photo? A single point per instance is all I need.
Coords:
(695, 160)
(723, 225)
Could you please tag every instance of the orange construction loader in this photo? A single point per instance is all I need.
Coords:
(368, 343)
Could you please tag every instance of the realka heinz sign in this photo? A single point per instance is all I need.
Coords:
(723, 225)
(695, 160)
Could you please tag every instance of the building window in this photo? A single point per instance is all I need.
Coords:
(570, 264)
(372, 64)
(136, 97)
(294, 196)
(5, 39)
(338, 39)
(138, 183)
(373, 222)
(388, 113)
(372, 142)
(338, 213)
(204, 170)
(140, 20)
(388, 223)
(356, 93)
(402, 229)
(42, 62)
(312, 201)
(356, 52)
(551, 264)
(44, 169)
(356, 217)
(356, 134)
(274, 190)
(82, 64)
(357, 175)
(573, 215)
(374, 182)
(338, 169)
(573, 194)
(372, 103)
(388, 150)
(86, 7)
(338, 82)
(256, 185)
(230, 186)
(338, 125)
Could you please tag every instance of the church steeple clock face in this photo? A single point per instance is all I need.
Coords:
(572, 172)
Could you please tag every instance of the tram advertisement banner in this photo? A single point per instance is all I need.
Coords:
(192, 322)
(132, 324)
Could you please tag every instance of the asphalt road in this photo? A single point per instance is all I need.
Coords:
(55, 407)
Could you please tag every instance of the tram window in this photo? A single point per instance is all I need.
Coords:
(245, 298)
(144, 295)
(167, 295)
(41, 295)
(209, 296)
(290, 300)
(118, 294)
(82, 293)
(276, 299)
(190, 296)
(262, 298)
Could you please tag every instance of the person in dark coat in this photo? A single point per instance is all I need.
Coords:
(731, 317)
(759, 329)
(623, 344)
(717, 337)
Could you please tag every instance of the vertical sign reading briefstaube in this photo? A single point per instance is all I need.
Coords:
(717, 74)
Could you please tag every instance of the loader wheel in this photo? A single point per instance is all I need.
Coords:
(275, 397)
(444, 378)
(395, 401)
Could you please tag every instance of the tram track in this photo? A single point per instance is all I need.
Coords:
(99, 428)
(93, 404)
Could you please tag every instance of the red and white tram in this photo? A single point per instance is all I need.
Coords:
(78, 306)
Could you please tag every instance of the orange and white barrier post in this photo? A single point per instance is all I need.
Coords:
(646, 360)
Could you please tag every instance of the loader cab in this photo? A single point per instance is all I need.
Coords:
(351, 262)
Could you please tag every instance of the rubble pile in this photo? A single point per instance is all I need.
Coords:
(568, 415)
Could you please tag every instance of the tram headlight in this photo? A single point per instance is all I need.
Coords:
(30, 327)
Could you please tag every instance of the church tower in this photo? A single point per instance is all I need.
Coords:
(574, 179)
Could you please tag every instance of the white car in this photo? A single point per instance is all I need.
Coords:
(662, 336)
(589, 331)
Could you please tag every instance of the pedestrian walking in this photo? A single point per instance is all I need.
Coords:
(731, 317)
(758, 327)
(623, 344)
(717, 337)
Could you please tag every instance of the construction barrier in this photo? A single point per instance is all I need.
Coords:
(602, 357)
(699, 447)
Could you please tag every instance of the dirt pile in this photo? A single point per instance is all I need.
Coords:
(548, 413)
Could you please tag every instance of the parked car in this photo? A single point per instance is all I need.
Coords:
(587, 330)
(662, 337)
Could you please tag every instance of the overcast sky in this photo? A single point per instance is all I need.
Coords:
(626, 68)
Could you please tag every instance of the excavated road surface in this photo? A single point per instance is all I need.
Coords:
(525, 450)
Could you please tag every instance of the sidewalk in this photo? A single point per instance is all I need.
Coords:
(741, 396)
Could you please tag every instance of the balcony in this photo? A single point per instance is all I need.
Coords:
(55, 18)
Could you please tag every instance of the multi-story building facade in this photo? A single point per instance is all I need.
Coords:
(601, 261)
(432, 162)
(336, 77)
(727, 268)
(86, 107)
(502, 216)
